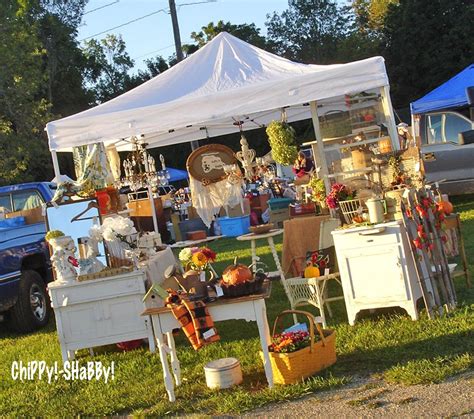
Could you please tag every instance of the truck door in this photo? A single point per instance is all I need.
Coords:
(442, 155)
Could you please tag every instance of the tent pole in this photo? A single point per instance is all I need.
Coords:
(389, 116)
(318, 151)
(57, 173)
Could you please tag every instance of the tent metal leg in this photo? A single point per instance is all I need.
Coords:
(54, 157)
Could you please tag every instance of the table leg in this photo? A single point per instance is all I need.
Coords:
(174, 359)
(71, 355)
(265, 340)
(166, 370)
(271, 243)
(254, 255)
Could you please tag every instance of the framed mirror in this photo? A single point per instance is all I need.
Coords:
(75, 218)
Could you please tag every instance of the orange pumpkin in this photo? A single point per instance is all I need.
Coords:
(446, 207)
(236, 274)
(311, 271)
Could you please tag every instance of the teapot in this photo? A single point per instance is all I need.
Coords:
(377, 209)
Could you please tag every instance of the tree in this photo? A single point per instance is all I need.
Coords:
(370, 14)
(109, 65)
(309, 31)
(66, 66)
(247, 32)
(426, 43)
(23, 110)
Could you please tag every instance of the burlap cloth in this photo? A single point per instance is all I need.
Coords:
(300, 235)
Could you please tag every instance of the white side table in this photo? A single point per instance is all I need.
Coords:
(249, 308)
(100, 312)
(269, 236)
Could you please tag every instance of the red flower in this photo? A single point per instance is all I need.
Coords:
(444, 239)
(210, 255)
(408, 213)
(430, 246)
(417, 243)
(421, 211)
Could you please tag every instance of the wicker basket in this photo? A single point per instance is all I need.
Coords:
(350, 209)
(289, 368)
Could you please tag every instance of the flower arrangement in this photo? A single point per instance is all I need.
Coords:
(197, 258)
(339, 192)
(115, 229)
(289, 342)
(53, 234)
(318, 190)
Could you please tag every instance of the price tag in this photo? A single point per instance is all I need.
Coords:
(326, 271)
(208, 334)
(202, 276)
(219, 291)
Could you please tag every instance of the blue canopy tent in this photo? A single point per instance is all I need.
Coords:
(177, 174)
(452, 94)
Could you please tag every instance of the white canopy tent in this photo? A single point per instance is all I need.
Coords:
(225, 81)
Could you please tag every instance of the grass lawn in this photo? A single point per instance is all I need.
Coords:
(389, 344)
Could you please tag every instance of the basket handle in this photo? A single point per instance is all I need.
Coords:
(312, 323)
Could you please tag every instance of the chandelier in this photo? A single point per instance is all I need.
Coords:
(139, 168)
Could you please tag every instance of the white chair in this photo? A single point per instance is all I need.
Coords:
(313, 291)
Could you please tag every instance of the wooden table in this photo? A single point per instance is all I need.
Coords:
(249, 308)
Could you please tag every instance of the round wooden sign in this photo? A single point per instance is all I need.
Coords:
(206, 163)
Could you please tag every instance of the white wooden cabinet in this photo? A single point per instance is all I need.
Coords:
(377, 269)
(100, 312)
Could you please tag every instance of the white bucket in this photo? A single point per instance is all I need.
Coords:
(223, 373)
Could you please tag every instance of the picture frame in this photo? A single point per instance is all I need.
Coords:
(206, 164)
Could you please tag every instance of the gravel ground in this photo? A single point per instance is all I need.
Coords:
(370, 398)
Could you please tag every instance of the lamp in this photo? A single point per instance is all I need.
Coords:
(139, 168)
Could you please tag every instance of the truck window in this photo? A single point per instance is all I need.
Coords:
(26, 200)
(5, 202)
(433, 129)
(454, 124)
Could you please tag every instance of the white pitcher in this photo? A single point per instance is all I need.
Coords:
(377, 209)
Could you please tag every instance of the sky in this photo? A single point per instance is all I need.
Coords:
(153, 35)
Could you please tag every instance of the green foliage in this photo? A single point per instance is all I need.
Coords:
(370, 14)
(110, 63)
(23, 111)
(281, 137)
(309, 31)
(426, 43)
(247, 32)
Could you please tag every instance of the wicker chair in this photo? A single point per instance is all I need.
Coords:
(313, 291)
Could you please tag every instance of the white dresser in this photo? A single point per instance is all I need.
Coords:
(377, 268)
(100, 312)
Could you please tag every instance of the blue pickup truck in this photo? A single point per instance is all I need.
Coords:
(25, 268)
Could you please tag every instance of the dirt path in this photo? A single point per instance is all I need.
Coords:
(375, 398)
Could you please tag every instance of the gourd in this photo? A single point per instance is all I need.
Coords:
(446, 207)
(236, 274)
(311, 271)
(281, 138)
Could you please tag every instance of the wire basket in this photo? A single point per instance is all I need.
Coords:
(350, 209)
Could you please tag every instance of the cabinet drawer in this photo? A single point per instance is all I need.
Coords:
(364, 238)
(98, 290)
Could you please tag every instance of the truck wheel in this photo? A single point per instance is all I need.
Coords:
(32, 309)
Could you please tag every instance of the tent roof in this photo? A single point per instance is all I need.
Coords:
(202, 96)
(451, 94)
